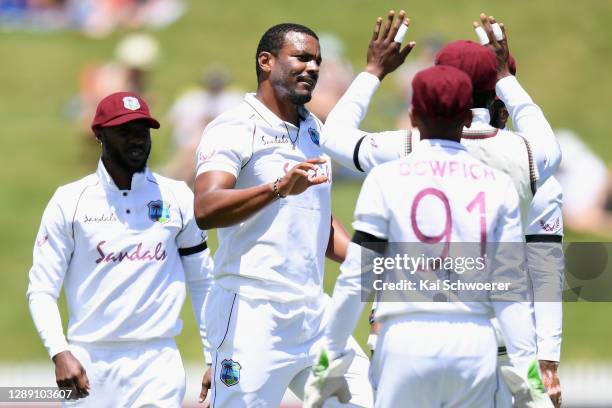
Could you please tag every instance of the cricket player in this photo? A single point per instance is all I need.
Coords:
(545, 257)
(529, 159)
(264, 182)
(433, 354)
(123, 242)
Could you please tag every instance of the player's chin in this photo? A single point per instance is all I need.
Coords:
(301, 96)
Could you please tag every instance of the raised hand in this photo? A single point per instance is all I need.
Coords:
(499, 47)
(384, 53)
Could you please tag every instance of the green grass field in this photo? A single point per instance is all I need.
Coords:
(563, 52)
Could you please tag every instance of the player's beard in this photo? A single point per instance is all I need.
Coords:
(115, 156)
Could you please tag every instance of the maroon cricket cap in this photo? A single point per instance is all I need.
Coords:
(122, 107)
(441, 92)
(476, 60)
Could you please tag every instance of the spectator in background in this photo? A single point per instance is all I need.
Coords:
(190, 114)
(335, 76)
(587, 186)
(130, 70)
(428, 49)
(98, 18)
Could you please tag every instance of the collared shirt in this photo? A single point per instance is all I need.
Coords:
(440, 194)
(123, 257)
(279, 252)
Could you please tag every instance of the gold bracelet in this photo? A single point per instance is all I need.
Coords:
(275, 189)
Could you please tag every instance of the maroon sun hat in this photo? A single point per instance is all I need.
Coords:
(441, 92)
(476, 60)
(122, 107)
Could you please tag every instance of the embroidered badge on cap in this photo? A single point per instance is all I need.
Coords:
(159, 211)
(230, 372)
(131, 103)
(314, 135)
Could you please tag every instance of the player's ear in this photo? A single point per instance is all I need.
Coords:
(414, 118)
(468, 119)
(98, 134)
(265, 60)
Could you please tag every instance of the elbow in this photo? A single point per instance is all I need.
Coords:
(203, 214)
(204, 220)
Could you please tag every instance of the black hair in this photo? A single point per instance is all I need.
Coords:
(274, 38)
(483, 99)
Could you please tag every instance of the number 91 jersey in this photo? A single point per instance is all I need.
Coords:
(439, 195)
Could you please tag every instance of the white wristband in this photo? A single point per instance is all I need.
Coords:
(401, 33)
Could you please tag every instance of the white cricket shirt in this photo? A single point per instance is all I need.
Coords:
(279, 252)
(118, 255)
(440, 190)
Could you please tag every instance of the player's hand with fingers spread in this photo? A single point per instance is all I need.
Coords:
(300, 177)
(384, 53)
(70, 374)
(548, 369)
(206, 382)
(500, 47)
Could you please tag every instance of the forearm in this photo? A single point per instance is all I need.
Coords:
(346, 305)
(48, 322)
(225, 207)
(516, 322)
(198, 272)
(341, 132)
(338, 241)
(529, 120)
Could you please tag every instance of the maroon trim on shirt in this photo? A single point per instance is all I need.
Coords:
(479, 134)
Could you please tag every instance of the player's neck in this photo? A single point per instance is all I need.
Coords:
(121, 176)
(282, 108)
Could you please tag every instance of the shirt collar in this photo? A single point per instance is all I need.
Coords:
(269, 116)
(138, 179)
(442, 143)
(481, 120)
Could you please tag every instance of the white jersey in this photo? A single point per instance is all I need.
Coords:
(446, 192)
(123, 257)
(279, 252)
(360, 150)
(438, 194)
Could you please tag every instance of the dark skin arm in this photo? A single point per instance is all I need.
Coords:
(70, 375)
(338, 241)
(218, 204)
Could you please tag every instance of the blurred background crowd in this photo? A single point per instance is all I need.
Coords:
(192, 60)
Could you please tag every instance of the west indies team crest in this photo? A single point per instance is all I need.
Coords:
(159, 211)
(314, 135)
(230, 372)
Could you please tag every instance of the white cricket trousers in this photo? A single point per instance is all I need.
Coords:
(260, 348)
(131, 374)
(428, 360)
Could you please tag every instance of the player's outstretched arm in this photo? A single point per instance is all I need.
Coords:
(341, 137)
(527, 117)
(218, 204)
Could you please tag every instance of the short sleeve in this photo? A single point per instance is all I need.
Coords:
(224, 148)
(371, 213)
(190, 237)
